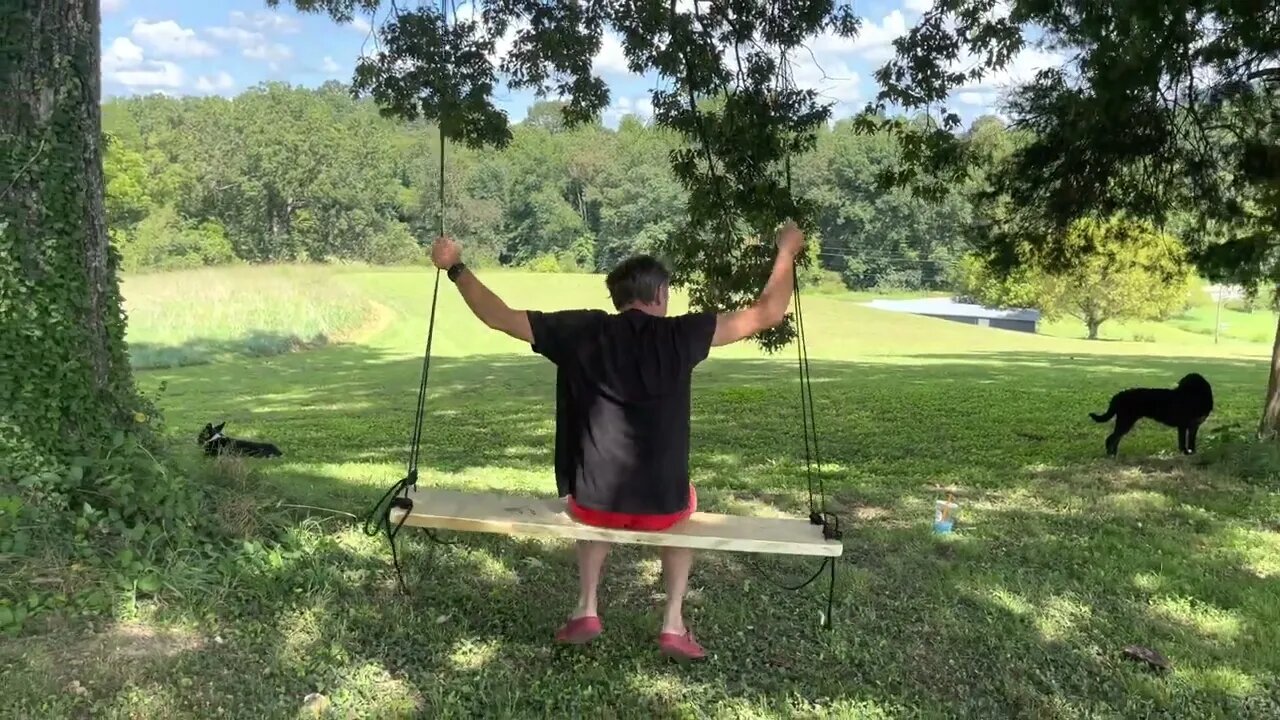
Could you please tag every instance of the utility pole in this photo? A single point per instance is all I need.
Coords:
(1217, 316)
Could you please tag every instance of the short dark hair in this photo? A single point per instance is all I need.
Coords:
(637, 279)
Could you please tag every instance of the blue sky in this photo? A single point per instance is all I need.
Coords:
(209, 47)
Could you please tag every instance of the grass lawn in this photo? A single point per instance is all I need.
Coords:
(1061, 558)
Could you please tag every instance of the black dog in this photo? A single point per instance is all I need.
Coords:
(215, 443)
(1185, 407)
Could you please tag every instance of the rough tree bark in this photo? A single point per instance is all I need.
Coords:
(1092, 326)
(1269, 426)
(64, 372)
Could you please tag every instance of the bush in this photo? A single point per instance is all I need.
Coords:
(544, 263)
(106, 523)
(163, 241)
(480, 255)
(1241, 454)
(823, 282)
(395, 246)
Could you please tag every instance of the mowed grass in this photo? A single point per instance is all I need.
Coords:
(210, 315)
(1060, 560)
(1237, 329)
(1193, 327)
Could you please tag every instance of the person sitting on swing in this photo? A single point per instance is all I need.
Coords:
(622, 408)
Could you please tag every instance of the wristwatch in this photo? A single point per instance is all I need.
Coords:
(455, 271)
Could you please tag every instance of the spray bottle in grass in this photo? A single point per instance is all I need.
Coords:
(944, 514)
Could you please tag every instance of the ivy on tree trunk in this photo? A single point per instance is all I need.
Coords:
(64, 375)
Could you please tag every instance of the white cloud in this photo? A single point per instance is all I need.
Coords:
(640, 106)
(125, 63)
(236, 36)
(151, 74)
(110, 6)
(918, 6)
(980, 99)
(221, 82)
(272, 53)
(330, 67)
(1021, 69)
(465, 12)
(874, 40)
(251, 33)
(122, 53)
(833, 80)
(503, 45)
(619, 108)
(169, 39)
(266, 21)
(610, 60)
(985, 93)
(361, 25)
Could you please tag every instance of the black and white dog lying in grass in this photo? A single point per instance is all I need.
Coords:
(215, 443)
(1184, 407)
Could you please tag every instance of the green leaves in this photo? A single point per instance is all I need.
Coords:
(1119, 269)
(730, 98)
(11, 618)
(1163, 113)
(439, 70)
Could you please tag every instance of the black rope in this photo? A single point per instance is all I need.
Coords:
(786, 586)
(830, 522)
(818, 514)
(378, 520)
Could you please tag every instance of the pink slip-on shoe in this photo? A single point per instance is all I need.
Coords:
(579, 631)
(680, 647)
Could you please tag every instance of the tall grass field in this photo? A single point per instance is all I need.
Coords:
(1060, 560)
(201, 316)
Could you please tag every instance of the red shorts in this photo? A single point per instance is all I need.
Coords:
(627, 521)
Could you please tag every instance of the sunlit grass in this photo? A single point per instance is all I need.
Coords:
(1061, 558)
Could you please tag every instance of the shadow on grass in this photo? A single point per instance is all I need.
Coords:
(1023, 613)
(205, 351)
(969, 420)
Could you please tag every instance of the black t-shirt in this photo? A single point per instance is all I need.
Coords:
(622, 405)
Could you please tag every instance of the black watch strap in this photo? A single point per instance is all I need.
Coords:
(455, 271)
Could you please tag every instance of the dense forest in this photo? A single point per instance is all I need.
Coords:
(283, 173)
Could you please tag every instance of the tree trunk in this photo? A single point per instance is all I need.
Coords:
(64, 372)
(1093, 326)
(1270, 424)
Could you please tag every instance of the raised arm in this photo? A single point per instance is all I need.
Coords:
(770, 309)
(446, 254)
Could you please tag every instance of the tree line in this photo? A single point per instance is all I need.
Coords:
(283, 173)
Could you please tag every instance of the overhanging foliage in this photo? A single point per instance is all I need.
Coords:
(726, 91)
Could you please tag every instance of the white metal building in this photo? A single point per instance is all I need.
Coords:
(1019, 319)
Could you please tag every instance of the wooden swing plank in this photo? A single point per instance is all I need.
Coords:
(523, 515)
